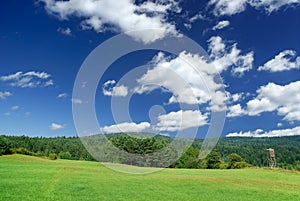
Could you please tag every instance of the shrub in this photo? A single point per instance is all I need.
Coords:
(213, 160)
(240, 165)
(233, 159)
(65, 155)
(53, 156)
(23, 151)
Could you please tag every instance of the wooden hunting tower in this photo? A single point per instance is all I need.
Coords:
(271, 158)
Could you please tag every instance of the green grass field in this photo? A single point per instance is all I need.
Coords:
(32, 178)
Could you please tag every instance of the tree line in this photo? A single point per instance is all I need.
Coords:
(229, 152)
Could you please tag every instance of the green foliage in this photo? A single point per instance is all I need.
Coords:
(45, 146)
(53, 156)
(144, 150)
(189, 159)
(297, 166)
(251, 150)
(233, 159)
(23, 151)
(5, 146)
(138, 145)
(213, 160)
(240, 165)
(65, 155)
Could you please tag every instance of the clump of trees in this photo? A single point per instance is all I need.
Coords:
(230, 153)
(138, 145)
(190, 159)
(66, 148)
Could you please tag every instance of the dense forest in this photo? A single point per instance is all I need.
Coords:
(229, 152)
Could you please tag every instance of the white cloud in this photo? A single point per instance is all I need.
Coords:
(259, 105)
(261, 133)
(126, 127)
(228, 7)
(237, 97)
(65, 31)
(283, 99)
(279, 124)
(231, 7)
(62, 95)
(15, 107)
(236, 111)
(180, 120)
(218, 101)
(272, 5)
(109, 89)
(196, 17)
(76, 101)
(188, 77)
(30, 79)
(224, 57)
(284, 61)
(123, 15)
(55, 126)
(4, 95)
(221, 25)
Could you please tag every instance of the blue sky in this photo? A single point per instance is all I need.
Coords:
(254, 45)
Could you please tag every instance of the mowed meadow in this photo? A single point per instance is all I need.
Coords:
(32, 178)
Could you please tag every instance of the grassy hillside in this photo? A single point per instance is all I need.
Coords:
(32, 178)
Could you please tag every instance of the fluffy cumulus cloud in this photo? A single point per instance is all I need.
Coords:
(236, 111)
(229, 7)
(4, 95)
(109, 89)
(126, 127)
(125, 16)
(189, 77)
(221, 25)
(286, 60)
(30, 79)
(55, 126)
(236, 97)
(180, 120)
(261, 133)
(283, 99)
(224, 57)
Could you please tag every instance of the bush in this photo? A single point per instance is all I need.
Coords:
(240, 165)
(65, 155)
(53, 156)
(233, 159)
(223, 165)
(23, 151)
(213, 160)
